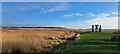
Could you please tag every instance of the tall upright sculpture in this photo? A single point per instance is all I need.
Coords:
(100, 29)
(97, 28)
(92, 28)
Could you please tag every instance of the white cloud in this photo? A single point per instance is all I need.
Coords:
(60, 7)
(106, 22)
(103, 19)
(46, 8)
(21, 8)
(114, 12)
(91, 14)
(72, 15)
(103, 15)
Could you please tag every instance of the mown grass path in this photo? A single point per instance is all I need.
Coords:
(94, 43)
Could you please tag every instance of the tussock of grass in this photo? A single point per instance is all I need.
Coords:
(56, 41)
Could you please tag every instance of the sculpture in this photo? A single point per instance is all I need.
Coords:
(97, 28)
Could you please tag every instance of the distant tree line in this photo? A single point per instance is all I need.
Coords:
(29, 27)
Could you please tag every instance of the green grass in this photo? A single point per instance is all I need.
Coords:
(95, 43)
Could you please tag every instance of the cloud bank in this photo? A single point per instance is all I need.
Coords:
(106, 22)
(72, 15)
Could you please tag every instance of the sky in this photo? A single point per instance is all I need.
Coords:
(60, 0)
(75, 15)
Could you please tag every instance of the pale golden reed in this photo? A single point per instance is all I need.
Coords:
(31, 39)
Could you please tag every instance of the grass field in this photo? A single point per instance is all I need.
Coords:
(56, 39)
(33, 39)
(95, 43)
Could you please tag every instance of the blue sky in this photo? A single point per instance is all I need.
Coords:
(60, 0)
(61, 14)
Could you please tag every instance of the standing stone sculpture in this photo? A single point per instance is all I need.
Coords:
(92, 28)
(100, 29)
(97, 28)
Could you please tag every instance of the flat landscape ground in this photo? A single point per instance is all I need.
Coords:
(51, 40)
(95, 43)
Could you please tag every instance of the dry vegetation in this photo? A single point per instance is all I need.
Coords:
(0, 39)
(32, 39)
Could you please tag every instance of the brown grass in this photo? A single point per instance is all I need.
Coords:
(31, 39)
(0, 39)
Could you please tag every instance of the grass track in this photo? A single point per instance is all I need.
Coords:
(95, 43)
